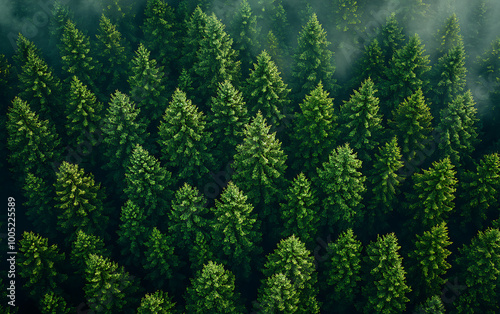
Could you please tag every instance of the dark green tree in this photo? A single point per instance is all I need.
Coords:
(412, 10)
(370, 65)
(158, 302)
(342, 187)
(195, 32)
(293, 260)
(277, 295)
(183, 140)
(265, 91)
(313, 61)
(53, 303)
(213, 291)
(84, 245)
(244, 32)
(384, 288)
(38, 265)
(299, 211)
(315, 131)
(432, 196)
(343, 272)
(60, 15)
(448, 36)
(344, 13)
(431, 305)
(275, 50)
(80, 203)
(479, 263)
(391, 38)
(24, 47)
(132, 232)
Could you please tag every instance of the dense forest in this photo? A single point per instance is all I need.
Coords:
(250, 156)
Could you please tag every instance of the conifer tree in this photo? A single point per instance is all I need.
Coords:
(448, 36)
(60, 15)
(293, 260)
(344, 13)
(24, 47)
(132, 232)
(278, 295)
(315, 131)
(431, 305)
(32, 142)
(122, 131)
(343, 271)
(195, 32)
(228, 117)
(457, 126)
(183, 140)
(312, 62)
(38, 263)
(298, 210)
(384, 287)
(147, 184)
(370, 65)
(80, 203)
(275, 50)
(159, 259)
(108, 287)
(158, 302)
(265, 91)
(235, 231)
(53, 303)
(259, 166)
(411, 123)
(428, 261)
(479, 263)
(343, 187)
(244, 32)
(84, 245)
(433, 193)
(391, 38)
(213, 290)
(361, 121)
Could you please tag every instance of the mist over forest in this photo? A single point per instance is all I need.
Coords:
(250, 156)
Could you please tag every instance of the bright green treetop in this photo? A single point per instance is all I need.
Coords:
(159, 261)
(278, 295)
(84, 245)
(53, 303)
(158, 302)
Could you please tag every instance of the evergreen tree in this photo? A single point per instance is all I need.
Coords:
(265, 91)
(195, 32)
(343, 271)
(259, 166)
(80, 202)
(24, 47)
(384, 288)
(457, 128)
(235, 231)
(132, 232)
(275, 50)
(293, 260)
(391, 38)
(32, 143)
(53, 303)
(433, 193)
(370, 65)
(60, 15)
(480, 190)
(38, 264)
(361, 121)
(406, 74)
(313, 60)
(122, 131)
(431, 305)
(411, 124)
(226, 122)
(480, 265)
(298, 210)
(108, 287)
(315, 131)
(449, 36)
(342, 186)
(183, 140)
(428, 261)
(147, 184)
(344, 13)
(76, 56)
(213, 291)
(244, 31)
(158, 302)
(84, 245)
(159, 260)
(278, 295)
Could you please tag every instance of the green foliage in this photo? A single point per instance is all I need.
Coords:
(158, 302)
(183, 140)
(343, 270)
(313, 62)
(431, 305)
(343, 187)
(433, 193)
(84, 245)
(370, 65)
(265, 91)
(449, 36)
(428, 261)
(244, 30)
(411, 124)
(480, 265)
(108, 287)
(226, 122)
(384, 288)
(344, 13)
(213, 291)
(60, 15)
(25, 47)
(159, 260)
(38, 264)
(80, 203)
(315, 131)
(278, 295)
(235, 231)
(293, 260)
(298, 210)
(195, 32)
(132, 233)
(259, 165)
(391, 38)
(53, 303)
(275, 51)
(32, 143)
